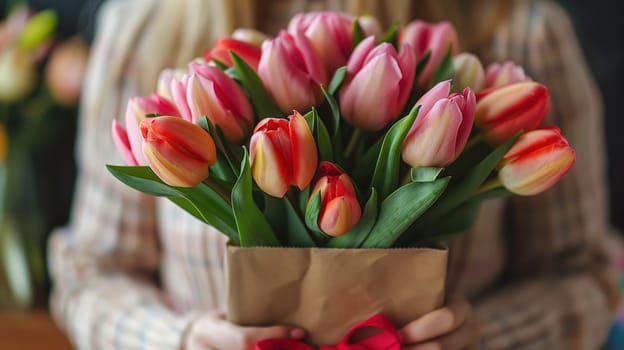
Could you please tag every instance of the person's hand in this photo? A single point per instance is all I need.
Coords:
(450, 328)
(213, 332)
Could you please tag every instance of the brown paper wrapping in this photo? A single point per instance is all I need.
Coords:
(327, 291)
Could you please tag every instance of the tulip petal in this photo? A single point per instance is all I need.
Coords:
(304, 154)
(120, 137)
(268, 166)
(339, 216)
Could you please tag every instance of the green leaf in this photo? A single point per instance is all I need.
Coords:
(358, 234)
(365, 165)
(201, 201)
(401, 209)
(219, 64)
(225, 156)
(321, 135)
(425, 174)
(335, 110)
(312, 212)
(392, 35)
(297, 234)
(357, 33)
(337, 80)
(386, 174)
(445, 69)
(253, 228)
(262, 102)
(467, 187)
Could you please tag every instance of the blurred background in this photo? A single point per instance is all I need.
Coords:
(43, 51)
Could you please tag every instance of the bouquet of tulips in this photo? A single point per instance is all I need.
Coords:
(334, 135)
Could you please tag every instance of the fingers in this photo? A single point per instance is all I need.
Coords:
(436, 323)
(212, 332)
(466, 337)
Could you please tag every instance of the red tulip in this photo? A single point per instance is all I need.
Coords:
(340, 209)
(178, 151)
(434, 37)
(292, 72)
(282, 153)
(504, 111)
(250, 53)
(536, 161)
(129, 140)
(379, 81)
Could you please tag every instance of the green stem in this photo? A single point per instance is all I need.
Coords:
(355, 138)
(219, 188)
(490, 185)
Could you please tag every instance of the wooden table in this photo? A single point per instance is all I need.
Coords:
(31, 330)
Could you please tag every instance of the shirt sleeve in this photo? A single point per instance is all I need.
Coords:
(563, 292)
(104, 264)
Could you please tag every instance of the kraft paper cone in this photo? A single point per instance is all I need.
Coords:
(327, 291)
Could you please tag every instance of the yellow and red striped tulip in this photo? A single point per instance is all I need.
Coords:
(340, 209)
(505, 110)
(536, 161)
(282, 153)
(379, 81)
(128, 140)
(178, 151)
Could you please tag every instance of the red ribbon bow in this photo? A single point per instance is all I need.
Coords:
(387, 339)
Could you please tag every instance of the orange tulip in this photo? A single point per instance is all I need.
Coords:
(178, 151)
(340, 209)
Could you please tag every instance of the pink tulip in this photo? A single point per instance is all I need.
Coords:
(468, 72)
(434, 37)
(250, 53)
(178, 151)
(209, 92)
(504, 111)
(379, 81)
(536, 161)
(441, 129)
(292, 72)
(501, 74)
(282, 153)
(330, 36)
(128, 140)
(340, 209)
(370, 26)
(166, 79)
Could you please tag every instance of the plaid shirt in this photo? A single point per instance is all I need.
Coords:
(131, 271)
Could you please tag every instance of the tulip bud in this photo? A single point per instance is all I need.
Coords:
(17, 75)
(178, 151)
(504, 111)
(370, 26)
(37, 30)
(340, 209)
(128, 140)
(282, 152)
(251, 36)
(209, 92)
(434, 37)
(468, 72)
(379, 81)
(507, 73)
(329, 34)
(250, 53)
(292, 72)
(440, 133)
(166, 79)
(65, 70)
(536, 161)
